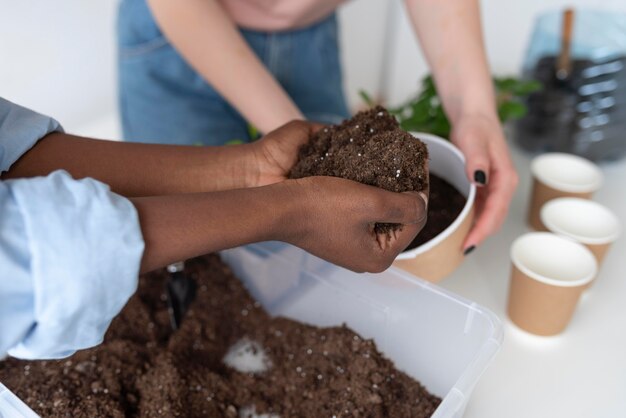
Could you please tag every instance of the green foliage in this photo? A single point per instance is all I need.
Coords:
(366, 98)
(253, 135)
(425, 113)
(253, 132)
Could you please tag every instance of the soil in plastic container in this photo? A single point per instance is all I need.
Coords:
(229, 358)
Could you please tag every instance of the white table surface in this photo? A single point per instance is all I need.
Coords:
(580, 373)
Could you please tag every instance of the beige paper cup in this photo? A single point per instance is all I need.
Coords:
(584, 221)
(548, 275)
(440, 256)
(560, 175)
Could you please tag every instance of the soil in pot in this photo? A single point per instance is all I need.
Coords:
(275, 366)
(445, 204)
(370, 148)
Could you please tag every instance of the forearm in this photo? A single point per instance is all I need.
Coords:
(208, 39)
(451, 38)
(139, 169)
(180, 227)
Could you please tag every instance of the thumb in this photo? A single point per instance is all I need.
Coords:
(408, 208)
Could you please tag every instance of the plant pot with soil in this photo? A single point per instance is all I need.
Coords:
(438, 250)
(373, 149)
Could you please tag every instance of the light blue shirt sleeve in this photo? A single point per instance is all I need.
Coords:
(70, 251)
(20, 129)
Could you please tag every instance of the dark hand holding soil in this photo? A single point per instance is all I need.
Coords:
(144, 369)
(369, 148)
(336, 219)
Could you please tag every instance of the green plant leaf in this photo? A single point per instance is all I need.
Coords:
(367, 98)
(516, 87)
(234, 142)
(504, 83)
(421, 111)
(511, 110)
(253, 132)
(424, 112)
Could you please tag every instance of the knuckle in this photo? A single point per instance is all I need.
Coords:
(295, 123)
(297, 126)
(376, 205)
(396, 211)
(358, 268)
(493, 227)
(379, 265)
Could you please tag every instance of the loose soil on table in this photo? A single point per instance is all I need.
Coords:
(370, 148)
(444, 206)
(144, 369)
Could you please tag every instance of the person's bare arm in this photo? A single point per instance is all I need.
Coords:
(208, 39)
(330, 217)
(451, 38)
(138, 169)
(148, 169)
(450, 34)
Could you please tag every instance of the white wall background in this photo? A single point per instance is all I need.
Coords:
(58, 57)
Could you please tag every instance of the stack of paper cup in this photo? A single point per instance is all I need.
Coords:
(560, 175)
(551, 269)
(587, 222)
(548, 275)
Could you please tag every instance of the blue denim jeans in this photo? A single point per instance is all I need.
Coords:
(164, 100)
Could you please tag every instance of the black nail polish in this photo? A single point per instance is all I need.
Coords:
(469, 249)
(480, 177)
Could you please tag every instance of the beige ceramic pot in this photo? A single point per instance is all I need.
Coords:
(440, 256)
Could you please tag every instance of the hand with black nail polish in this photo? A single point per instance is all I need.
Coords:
(489, 167)
(480, 177)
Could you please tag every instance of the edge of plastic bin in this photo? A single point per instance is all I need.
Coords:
(453, 404)
(12, 407)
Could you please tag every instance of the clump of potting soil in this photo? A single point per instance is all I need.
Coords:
(370, 148)
(229, 358)
(445, 204)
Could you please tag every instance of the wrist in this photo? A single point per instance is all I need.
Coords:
(483, 115)
(255, 163)
(229, 167)
(460, 108)
(291, 211)
(462, 97)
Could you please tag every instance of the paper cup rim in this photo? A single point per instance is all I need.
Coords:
(469, 203)
(547, 280)
(554, 227)
(536, 170)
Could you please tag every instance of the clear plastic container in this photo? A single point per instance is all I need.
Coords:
(12, 407)
(440, 339)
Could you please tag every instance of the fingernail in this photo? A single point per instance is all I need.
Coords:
(424, 197)
(422, 211)
(480, 177)
(469, 249)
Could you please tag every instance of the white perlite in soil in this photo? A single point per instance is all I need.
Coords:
(247, 356)
(250, 412)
